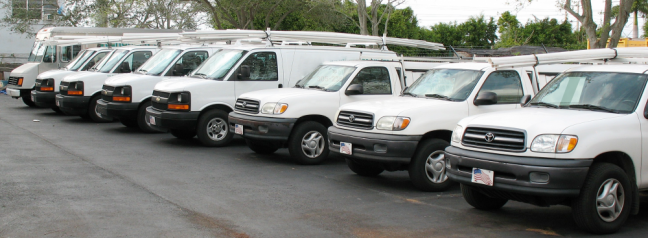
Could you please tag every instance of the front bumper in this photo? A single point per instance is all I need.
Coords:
(566, 176)
(13, 92)
(374, 147)
(44, 99)
(172, 120)
(117, 109)
(262, 128)
(73, 105)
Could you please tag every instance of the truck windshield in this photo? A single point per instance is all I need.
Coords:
(598, 91)
(217, 66)
(37, 52)
(451, 84)
(159, 62)
(106, 65)
(327, 77)
(79, 60)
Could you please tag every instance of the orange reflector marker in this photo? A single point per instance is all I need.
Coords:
(75, 92)
(572, 143)
(20, 81)
(283, 108)
(47, 89)
(406, 122)
(121, 99)
(178, 107)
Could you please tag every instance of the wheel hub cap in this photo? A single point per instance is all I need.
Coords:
(610, 200)
(313, 144)
(435, 167)
(217, 129)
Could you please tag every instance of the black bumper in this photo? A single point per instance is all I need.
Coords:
(73, 105)
(262, 128)
(172, 120)
(116, 109)
(511, 173)
(44, 99)
(390, 148)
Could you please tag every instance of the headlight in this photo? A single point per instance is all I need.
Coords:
(179, 101)
(46, 85)
(554, 143)
(274, 108)
(122, 94)
(75, 88)
(391, 123)
(457, 134)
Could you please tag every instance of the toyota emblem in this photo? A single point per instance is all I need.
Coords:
(351, 118)
(489, 137)
(244, 104)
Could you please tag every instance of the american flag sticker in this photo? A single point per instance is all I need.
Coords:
(238, 129)
(346, 148)
(482, 176)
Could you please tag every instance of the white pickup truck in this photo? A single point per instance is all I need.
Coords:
(411, 131)
(297, 117)
(47, 83)
(79, 93)
(127, 96)
(580, 142)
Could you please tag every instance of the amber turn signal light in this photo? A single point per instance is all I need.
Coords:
(178, 107)
(75, 93)
(121, 99)
(20, 81)
(47, 89)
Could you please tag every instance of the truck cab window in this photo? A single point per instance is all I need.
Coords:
(98, 57)
(69, 52)
(507, 86)
(136, 59)
(50, 54)
(263, 66)
(374, 80)
(187, 63)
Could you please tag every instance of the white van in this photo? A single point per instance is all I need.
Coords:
(47, 83)
(79, 93)
(127, 96)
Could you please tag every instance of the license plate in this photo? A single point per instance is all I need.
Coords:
(483, 176)
(238, 129)
(32, 97)
(152, 120)
(58, 104)
(346, 148)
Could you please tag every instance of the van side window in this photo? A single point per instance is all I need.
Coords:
(69, 52)
(50, 54)
(187, 63)
(263, 66)
(507, 86)
(98, 57)
(137, 59)
(374, 80)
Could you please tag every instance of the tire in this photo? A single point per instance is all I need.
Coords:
(364, 169)
(92, 111)
(141, 120)
(309, 137)
(261, 147)
(427, 168)
(27, 100)
(128, 122)
(182, 134)
(481, 201)
(58, 110)
(584, 208)
(213, 129)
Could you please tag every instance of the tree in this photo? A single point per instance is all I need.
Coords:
(242, 14)
(376, 16)
(479, 32)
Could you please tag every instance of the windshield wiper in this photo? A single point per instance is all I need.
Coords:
(593, 107)
(318, 87)
(143, 71)
(408, 93)
(439, 96)
(298, 86)
(544, 104)
(201, 75)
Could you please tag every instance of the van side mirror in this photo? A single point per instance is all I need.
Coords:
(178, 70)
(125, 68)
(244, 72)
(354, 89)
(525, 99)
(646, 112)
(485, 98)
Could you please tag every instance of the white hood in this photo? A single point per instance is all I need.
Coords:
(127, 79)
(27, 68)
(184, 84)
(56, 74)
(396, 106)
(284, 94)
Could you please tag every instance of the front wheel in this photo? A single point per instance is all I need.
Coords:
(261, 147)
(213, 129)
(364, 169)
(481, 201)
(427, 168)
(604, 202)
(93, 114)
(309, 143)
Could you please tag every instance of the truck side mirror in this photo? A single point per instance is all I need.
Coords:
(244, 72)
(125, 68)
(525, 99)
(178, 70)
(646, 112)
(485, 98)
(354, 89)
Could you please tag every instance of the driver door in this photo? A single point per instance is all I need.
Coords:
(506, 84)
(376, 82)
(265, 72)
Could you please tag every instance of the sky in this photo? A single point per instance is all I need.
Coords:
(430, 12)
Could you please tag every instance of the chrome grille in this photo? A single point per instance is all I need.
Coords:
(495, 138)
(247, 105)
(107, 92)
(13, 81)
(161, 104)
(355, 119)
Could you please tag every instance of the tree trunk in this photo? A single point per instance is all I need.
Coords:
(362, 17)
(590, 27)
(635, 27)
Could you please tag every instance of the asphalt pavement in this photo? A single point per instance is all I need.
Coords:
(62, 176)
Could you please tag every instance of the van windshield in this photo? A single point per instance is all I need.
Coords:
(327, 77)
(79, 60)
(452, 84)
(159, 62)
(597, 91)
(106, 65)
(36, 54)
(217, 66)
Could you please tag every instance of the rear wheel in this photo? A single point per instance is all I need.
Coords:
(481, 201)
(183, 134)
(213, 129)
(27, 100)
(427, 169)
(141, 120)
(93, 114)
(364, 169)
(261, 147)
(308, 144)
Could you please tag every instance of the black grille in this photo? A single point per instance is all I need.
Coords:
(502, 139)
(355, 119)
(161, 104)
(13, 81)
(247, 105)
(107, 92)
(63, 89)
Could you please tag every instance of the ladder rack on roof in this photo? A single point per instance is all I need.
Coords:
(148, 38)
(412, 59)
(571, 56)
